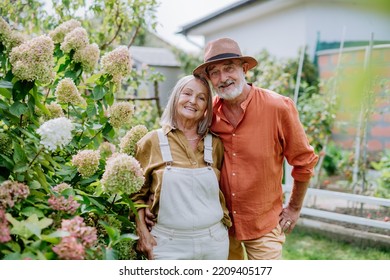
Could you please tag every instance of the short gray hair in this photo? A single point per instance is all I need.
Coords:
(169, 115)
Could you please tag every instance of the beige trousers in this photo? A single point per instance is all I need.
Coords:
(267, 247)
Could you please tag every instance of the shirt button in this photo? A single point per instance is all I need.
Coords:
(234, 212)
(234, 174)
(234, 154)
(233, 194)
(234, 134)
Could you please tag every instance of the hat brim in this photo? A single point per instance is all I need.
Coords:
(201, 69)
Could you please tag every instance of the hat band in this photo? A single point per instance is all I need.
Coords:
(223, 55)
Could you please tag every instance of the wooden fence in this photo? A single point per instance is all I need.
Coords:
(331, 215)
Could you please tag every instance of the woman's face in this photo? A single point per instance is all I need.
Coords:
(192, 102)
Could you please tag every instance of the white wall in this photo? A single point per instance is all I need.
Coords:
(283, 31)
(146, 88)
(172, 75)
(345, 21)
(282, 34)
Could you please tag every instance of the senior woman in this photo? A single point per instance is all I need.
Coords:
(181, 163)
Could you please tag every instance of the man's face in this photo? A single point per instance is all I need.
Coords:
(227, 78)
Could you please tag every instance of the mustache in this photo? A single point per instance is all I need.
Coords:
(226, 83)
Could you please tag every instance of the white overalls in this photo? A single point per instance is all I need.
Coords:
(189, 219)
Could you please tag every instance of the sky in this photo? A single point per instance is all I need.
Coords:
(172, 15)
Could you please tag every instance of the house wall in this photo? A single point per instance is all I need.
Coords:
(284, 26)
(272, 32)
(146, 89)
(172, 75)
(356, 65)
(344, 21)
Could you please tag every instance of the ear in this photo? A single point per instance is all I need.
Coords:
(245, 67)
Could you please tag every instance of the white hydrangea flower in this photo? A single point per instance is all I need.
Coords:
(123, 174)
(56, 133)
(129, 141)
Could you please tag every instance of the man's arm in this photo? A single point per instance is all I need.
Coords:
(290, 214)
(146, 242)
(149, 216)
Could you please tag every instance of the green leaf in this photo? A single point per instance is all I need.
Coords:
(6, 84)
(109, 98)
(98, 92)
(107, 128)
(39, 103)
(35, 225)
(93, 78)
(13, 256)
(35, 185)
(40, 176)
(29, 211)
(18, 228)
(6, 93)
(54, 237)
(19, 154)
(130, 236)
(96, 203)
(18, 108)
(91, 110)
(14, 246)
(29, 134)
(20, 167)
(34, 228)
(113, 233)
(110, 254)
(21, 89)
(6, 162)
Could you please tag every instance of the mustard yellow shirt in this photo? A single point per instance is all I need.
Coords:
(149, 156)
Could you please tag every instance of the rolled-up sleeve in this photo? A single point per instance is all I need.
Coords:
(297, 149)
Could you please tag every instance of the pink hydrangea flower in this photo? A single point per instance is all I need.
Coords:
(4, 229)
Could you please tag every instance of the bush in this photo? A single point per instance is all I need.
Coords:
(383, 165)
(61, 196)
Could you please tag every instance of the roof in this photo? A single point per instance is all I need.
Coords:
(219, 13)
(154, 56)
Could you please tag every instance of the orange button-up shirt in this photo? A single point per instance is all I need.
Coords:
(252, 171)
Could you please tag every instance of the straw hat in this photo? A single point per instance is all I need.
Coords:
(222, 49)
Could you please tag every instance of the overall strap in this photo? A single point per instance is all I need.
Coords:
(208, 149)
(164, 146)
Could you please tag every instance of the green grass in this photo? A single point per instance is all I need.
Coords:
(303, 244)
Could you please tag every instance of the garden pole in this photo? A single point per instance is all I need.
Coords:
(363, 108)
(288, 180)
(299, 73)
(367, 73)
(318, 167)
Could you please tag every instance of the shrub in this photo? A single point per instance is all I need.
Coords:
(59, 136)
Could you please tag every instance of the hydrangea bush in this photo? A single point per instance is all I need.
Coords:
(66, 147)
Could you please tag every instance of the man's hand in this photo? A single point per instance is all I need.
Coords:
(146, 241)
(288, 218)
(290, 214)
(149, 216)
(145, 245)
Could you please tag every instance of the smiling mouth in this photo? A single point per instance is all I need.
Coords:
(190, 109)
(226, 85)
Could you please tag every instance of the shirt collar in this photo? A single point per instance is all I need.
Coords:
(167, 128)
(219, 101)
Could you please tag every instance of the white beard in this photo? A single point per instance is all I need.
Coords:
(232, 94)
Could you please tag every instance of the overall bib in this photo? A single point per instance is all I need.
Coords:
(189, 219)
